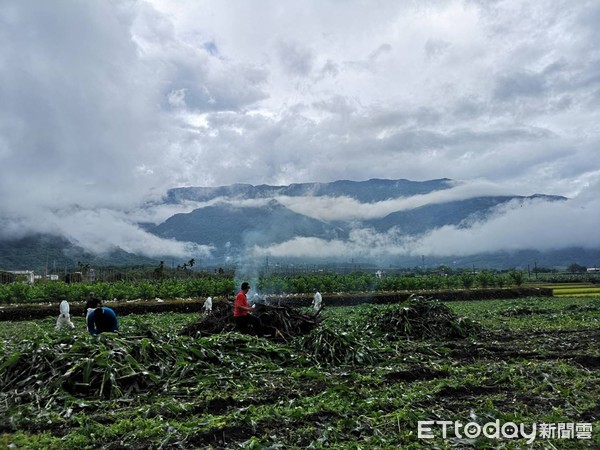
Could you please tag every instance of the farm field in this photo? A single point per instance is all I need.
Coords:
(570, 289)
(363, 379)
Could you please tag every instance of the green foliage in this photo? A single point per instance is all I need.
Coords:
(18, 292)
(56, 292)
(204, 285)
(484, 279)
(467, 280)
(517, 277)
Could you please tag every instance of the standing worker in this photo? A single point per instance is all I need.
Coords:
(241, 312)
(101, 319)
(317, 299)
(207, 306)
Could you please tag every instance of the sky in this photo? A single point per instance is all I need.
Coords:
(106, 104)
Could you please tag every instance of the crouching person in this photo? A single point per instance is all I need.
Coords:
(101, 319)
(64, 318)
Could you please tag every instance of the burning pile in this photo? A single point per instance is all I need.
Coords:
(278, 322)
(422, 318)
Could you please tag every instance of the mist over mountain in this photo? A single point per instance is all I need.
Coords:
(286, 222)
(381, 222)
(229, 229)
(45, 253)
(460, 213)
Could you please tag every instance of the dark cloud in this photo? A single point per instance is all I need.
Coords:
(64, 121)
(382, 49)
(519, 84)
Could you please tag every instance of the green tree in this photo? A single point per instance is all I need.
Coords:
(576, 268)
(517, 277)
(467, 280)
(485, 279)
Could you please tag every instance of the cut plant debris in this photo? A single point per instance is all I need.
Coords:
(277, 322)
(422, 318)
(358, 377)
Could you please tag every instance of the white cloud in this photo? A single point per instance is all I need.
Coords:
(105, 105)
(533, 225)
(349, 209)
(519, 225)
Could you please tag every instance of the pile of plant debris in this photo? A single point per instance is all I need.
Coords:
(107, 366)
(219, 320)
(111, 366)
(421, 318)
(329, 346)
(277, 322)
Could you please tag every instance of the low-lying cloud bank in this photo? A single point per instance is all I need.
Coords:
(100, 231)
(519, 225)
(349, 209)
(532, 224)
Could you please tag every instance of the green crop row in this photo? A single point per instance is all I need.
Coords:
(18, 292)
(166, 288)
(358, 282)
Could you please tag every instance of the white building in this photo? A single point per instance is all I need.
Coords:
(29, 273)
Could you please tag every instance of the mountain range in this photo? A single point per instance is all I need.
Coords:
(233, 220)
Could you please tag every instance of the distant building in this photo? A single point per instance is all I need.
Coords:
(593, 270)
(28, 273)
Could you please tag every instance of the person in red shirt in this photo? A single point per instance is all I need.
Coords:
(241, 312)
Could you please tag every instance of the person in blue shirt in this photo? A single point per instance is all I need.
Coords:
(101, 319)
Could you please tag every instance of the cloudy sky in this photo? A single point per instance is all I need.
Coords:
(105, 104)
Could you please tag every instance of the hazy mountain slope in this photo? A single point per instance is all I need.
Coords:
(230, 229)
(55, 253)
(224, 225)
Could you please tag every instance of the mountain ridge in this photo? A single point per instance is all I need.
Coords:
(232, 220)
(374, 189)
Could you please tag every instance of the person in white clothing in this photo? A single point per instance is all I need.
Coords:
(207, 306)
(317, 299)
(64, 319)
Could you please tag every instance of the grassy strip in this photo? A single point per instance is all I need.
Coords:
(577, 291)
